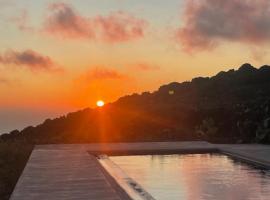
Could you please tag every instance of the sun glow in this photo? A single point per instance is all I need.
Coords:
(100, 103)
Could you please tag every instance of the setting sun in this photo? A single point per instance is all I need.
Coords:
(100, 103)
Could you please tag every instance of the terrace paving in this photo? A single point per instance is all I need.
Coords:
(57, 172)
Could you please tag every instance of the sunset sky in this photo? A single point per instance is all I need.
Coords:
(61, 56)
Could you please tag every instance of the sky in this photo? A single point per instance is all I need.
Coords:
(62, 56)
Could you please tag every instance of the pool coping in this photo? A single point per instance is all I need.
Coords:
(246, 159)
(114, 182)
(132, 188)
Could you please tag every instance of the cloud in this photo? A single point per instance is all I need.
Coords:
(4, 81)
(101, 73)
(206, 23)
(145, 67)
(120, 27)
(28, 58)
(63, 21)
(22, 21)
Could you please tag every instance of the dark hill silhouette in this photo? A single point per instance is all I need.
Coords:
(233, 106)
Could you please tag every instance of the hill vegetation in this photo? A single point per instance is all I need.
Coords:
(232, 106)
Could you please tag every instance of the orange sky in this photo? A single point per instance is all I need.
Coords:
(63, 56)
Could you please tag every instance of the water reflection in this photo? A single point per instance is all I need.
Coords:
(197, 177)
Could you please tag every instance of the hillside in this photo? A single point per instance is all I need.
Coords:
(232, 106)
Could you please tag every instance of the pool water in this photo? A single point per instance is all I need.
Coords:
(196, 177)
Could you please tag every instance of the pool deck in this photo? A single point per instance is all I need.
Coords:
(58, 172)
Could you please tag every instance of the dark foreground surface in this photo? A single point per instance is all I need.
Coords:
(13, 157)
(59, 172)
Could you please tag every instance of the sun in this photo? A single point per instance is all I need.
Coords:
(100, 103)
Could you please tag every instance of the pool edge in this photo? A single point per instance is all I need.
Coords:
(127, 184)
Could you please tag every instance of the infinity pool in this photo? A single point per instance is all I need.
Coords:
(196, 177)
